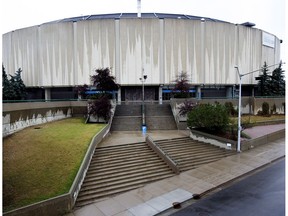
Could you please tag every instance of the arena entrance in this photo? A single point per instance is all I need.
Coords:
(134, 93)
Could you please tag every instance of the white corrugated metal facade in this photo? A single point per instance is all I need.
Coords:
(67, 53)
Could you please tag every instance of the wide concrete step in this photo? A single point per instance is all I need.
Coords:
(189, 147)
(185, 158)
(174, 139)
(108, 172)
(102, 196)
(123, 179)
(124, 162)
(128, 110)
(84, 199)
(194, 151)
(124, 168)
(142, 171)
(130, 150)
(117, 169)
(127, 123)
(119, 148)
(161, 123)
(192, 165)
(127, 118)
(95, 190)
(158, 110)
(189, 153)
(180, 141)
(129, 153)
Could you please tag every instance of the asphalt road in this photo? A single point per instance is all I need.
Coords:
(261, 194)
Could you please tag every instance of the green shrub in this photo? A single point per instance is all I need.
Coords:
(208, 117)
(230, 109)
(265, 109)
(273, 109)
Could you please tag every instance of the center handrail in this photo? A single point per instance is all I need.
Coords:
(162, 154)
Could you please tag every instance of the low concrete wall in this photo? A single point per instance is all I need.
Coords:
(54, 206)
(279, 104)
(17, 116)
(245, 144)
(214, 140)
(249, 144)
(162, 155)
(76, 186)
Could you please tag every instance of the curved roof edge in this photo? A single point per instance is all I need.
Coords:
(134, 15)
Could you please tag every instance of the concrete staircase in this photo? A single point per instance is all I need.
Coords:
(190, 154)
(120, 168)
(127, 118)
(159, 117)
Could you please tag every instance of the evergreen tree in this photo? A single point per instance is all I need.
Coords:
(6, 88)
(18, 88)
(264, 81)
(13, 89)
(277, 81)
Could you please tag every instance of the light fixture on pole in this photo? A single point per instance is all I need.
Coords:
(239, 111)
(143, 79)
(239, 102)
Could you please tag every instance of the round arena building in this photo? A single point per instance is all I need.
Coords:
(58, 56)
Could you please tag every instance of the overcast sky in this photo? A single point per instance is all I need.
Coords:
(268, 15)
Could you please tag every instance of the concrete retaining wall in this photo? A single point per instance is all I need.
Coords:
(245, 144)
(17, 116)
(214, 140)
(55, 206)
(249, 144)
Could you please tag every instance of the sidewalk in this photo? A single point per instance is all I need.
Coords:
(259, 131)
(156, 197)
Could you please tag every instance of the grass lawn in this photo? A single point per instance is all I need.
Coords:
(41, 162)
(255, 118)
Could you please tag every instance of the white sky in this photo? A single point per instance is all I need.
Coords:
(268, 15)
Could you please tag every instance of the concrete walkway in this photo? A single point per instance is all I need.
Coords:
(156, 197)
(125, 137)
(259, 131)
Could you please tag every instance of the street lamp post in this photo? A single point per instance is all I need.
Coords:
(239, 102)
(239, 111)
(143, 79)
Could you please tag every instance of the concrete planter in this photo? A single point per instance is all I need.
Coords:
(214, 140)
